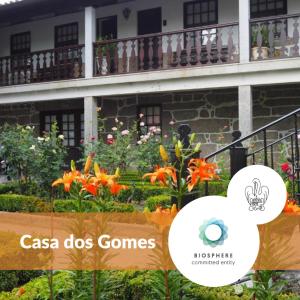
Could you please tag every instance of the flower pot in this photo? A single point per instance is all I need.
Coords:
(264, 53)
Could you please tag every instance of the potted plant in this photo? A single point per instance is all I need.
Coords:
(103, 65)
(263, 51)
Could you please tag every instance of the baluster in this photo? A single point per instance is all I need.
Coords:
(51, 58)
(1, 72)
(271, 38)
(7, 70)
(208, 47)
(108, 60)
(160, 52)
(38, 67)
(44, 65)
(230, 45)
(272, 157)
(142, 54)
(31, 75)
(265, 149)
(116, 58)
(188, 48)
(65, 63)
(259, 41)
(219, 45)
(198, 46)
(253, 159)
(296, 37)
(151, 52)
(80, 71)
(293, 167)
(282, 39)
(133, 57)
(169, 51)
(100, 59)
(74, 65)
(178, 49)
(125, 70)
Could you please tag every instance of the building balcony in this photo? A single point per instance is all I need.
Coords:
(196, 47)
(42, 66)
(275, 38)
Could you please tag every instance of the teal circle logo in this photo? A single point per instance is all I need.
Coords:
(213, 232)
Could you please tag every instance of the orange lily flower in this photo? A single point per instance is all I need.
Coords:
(20, 292)
(291, 206)
(91, 187)
(67, 180)
(103, 177)
(115, 188)
(162, 217)
(162, 175)
(200, 170)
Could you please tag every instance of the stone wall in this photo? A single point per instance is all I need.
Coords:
(213, 115)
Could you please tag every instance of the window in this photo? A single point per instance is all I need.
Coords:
(70, 124)
(20, 43)
(107, 28)
(267, 8)
(66, 35)
(200, 13)
(151, 118)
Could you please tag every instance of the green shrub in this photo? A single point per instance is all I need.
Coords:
(140, 191)
(12, 279)
(90, 206)
(161, 200)
(21, 203)
(38, 288)
(214, 188)
(9, 187)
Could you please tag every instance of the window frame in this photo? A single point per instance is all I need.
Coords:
(144, 119)
(99, 20)
(267, 12)
(200, 24)
(22, 51)
(73, 42)
(59, 119)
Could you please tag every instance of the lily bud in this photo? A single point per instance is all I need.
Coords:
(174, 140)
(177, 151)
(117, 173)
(88, 164)
(163, 153)
(180, 146)
(192, 138)
(73, 166)
(96, 169)
(197, 148)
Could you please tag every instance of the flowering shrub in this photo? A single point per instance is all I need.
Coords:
(124, 147)
(32, 160)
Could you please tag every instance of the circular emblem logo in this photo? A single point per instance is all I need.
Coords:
(213, 233)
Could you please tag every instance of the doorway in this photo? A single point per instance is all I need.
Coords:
(149, 22)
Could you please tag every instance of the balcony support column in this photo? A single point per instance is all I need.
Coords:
(245, 110)
(90, 38)
(244, 30)
(90, 118)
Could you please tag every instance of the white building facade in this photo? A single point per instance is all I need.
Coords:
(218, 65)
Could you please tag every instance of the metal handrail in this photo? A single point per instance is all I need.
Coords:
(264, 128)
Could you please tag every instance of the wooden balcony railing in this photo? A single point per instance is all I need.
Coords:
(202, 46)
(40, 66)
(276, 37)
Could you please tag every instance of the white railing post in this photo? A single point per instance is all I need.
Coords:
(244, 30)
(90, 38)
